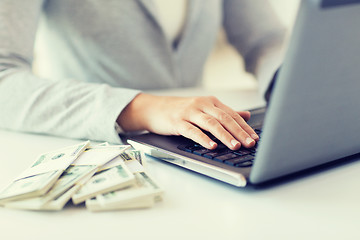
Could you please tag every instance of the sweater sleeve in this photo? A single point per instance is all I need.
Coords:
(67, 107)
(254, 29)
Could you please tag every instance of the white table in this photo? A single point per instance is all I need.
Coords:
(325, 205)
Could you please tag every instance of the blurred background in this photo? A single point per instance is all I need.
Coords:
(226, 65)
(224, 68)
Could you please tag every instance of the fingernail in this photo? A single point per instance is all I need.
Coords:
(234, 142)
(254, 136)
(212, 144)
(249, 140)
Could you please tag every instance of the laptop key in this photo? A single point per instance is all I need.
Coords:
(190, 148)
(242, 152)
(239, 160)
(215, 153)
(225, 157)
(201, 151)
(252, 150)
(258, 131)
(244, 164)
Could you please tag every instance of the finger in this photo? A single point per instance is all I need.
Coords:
(245, 115)
(212, 125)
(192, 132)
(240, 120)
(246, 127)
(231, 125)
(250, 131)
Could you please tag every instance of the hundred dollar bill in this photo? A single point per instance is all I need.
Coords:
(94, 205)
(29, 187)
(106, 146)
(108, 180)
(103, 144)
(40, 177)
(100, 156)
(57, 203)
(123, 157)
(92, 159)
(144, 187)
(113, 163)
(39, 204)
(132, 163)
(139, 156)
(87, 163)
(67, 180)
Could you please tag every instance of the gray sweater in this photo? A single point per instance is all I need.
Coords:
(101, 53)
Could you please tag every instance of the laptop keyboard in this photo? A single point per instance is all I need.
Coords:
(241, 158)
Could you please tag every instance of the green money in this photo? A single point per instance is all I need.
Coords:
(29, 186)
(108, 180)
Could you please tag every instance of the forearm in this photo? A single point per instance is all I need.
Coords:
(68, 108)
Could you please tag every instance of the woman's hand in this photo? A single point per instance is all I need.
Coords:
(187, 116)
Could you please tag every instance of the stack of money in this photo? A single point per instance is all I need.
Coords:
(143, 193)
(105, 177)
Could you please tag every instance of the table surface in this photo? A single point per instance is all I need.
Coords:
(322, 205)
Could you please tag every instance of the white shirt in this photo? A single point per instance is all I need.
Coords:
(172, 16)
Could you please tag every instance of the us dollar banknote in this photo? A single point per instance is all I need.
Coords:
(108, 180)
(86, 164)
(42, 175)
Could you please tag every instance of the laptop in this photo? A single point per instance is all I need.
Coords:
(313, 116)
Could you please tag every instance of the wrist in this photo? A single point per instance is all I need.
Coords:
(133, 116)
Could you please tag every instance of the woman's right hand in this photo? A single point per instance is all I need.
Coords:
(188, 116)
